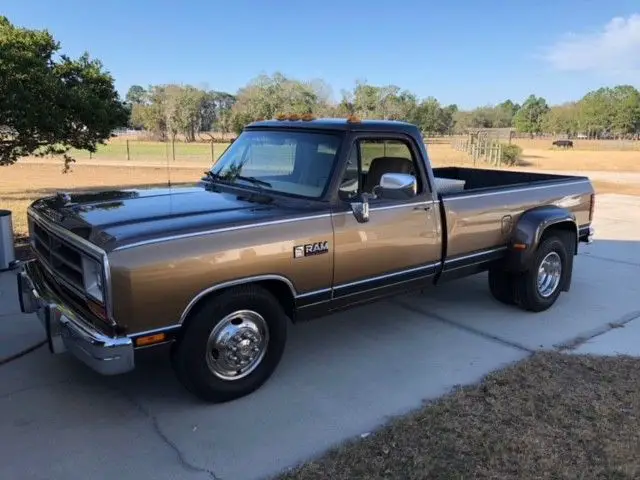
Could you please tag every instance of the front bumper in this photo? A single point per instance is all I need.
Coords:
(67, 331)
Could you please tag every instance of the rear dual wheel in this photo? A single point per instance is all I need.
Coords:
(538, 288)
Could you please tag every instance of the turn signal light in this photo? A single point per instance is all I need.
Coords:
(150, 339)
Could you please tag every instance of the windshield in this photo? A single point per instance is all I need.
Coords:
(295, 163)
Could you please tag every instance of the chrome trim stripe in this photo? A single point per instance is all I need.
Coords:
(392, 207)
(313, 292)
(387, 275)
(181, 236)
(234, 283)
(463, 196)
(85, 247)
(154, 331)
(475, 254)
(446, 198)
(261, 224)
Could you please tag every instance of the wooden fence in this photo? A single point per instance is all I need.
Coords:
(485, 149)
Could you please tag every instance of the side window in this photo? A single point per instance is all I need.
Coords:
(376, 148)
(371, 158)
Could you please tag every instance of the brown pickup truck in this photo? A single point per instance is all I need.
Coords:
(297, 219)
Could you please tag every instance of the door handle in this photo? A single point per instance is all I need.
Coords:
(426, 208)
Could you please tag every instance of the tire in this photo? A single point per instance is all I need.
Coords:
(502, 287)
(529, 295)
(248, 310)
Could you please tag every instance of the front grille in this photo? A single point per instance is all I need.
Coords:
(58, 256)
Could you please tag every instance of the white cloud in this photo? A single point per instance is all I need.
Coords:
(614, 50)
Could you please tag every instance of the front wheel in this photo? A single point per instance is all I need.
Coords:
(538, 288)
(231, 345)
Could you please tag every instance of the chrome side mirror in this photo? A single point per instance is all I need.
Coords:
(360, 208)
(397, 186)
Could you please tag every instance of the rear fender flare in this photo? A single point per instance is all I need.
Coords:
(529, 230)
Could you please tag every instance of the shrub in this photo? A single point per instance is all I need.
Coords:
(510, 154)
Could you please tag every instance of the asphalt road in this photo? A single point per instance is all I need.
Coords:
(341, 376)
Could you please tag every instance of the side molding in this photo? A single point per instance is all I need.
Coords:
(529, 229)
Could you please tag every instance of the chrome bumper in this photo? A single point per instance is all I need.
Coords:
(587, 234)
(66, 331)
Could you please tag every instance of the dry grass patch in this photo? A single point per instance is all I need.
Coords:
(550, 416)
(578, 144)
(619, 188)
(443, 154)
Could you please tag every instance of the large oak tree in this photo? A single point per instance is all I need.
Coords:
(50, 103)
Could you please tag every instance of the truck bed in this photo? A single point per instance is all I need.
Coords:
(479, 180)
(479, 212)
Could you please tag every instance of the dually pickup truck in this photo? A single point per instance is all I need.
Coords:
(298, 218)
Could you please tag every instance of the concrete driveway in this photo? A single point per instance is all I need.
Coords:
(341, 376)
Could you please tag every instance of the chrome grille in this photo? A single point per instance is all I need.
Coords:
(62, 259)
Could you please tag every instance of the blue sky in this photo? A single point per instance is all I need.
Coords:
(466, 52)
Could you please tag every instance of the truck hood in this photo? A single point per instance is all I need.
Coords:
(114, 218)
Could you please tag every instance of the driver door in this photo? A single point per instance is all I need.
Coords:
(399, 247)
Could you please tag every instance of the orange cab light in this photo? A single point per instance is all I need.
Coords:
(307, 117)
(520, 246)
(150, 339)
(281, 117)
(353, 119)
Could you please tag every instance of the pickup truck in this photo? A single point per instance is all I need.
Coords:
(298, 218)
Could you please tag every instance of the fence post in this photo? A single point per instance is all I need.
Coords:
(173, 149)
(212, 155)
(128, 156)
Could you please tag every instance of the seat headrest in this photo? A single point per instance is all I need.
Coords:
(399, 164)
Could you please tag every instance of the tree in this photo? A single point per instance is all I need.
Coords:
(47, 105)
(136, 95)
(530, 117)
(267, 96)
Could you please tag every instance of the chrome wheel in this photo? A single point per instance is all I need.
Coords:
(549, 274)
(237, 344)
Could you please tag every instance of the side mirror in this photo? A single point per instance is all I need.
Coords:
(360, 208)
(397, 186)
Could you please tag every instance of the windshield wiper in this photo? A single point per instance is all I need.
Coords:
(253, 180)
(209, 175)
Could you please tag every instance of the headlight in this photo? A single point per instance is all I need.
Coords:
(92, 276)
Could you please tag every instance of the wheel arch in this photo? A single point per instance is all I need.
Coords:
(279, 286)
(533, 227)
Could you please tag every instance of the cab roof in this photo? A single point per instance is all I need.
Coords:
(342, 124)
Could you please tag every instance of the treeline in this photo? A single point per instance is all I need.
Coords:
(168, 110)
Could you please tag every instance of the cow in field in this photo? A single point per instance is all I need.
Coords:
(563, 143)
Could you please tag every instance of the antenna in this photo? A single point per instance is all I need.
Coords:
(166, 151)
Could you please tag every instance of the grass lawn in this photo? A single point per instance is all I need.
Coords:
(550, 416)
(146, 151)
